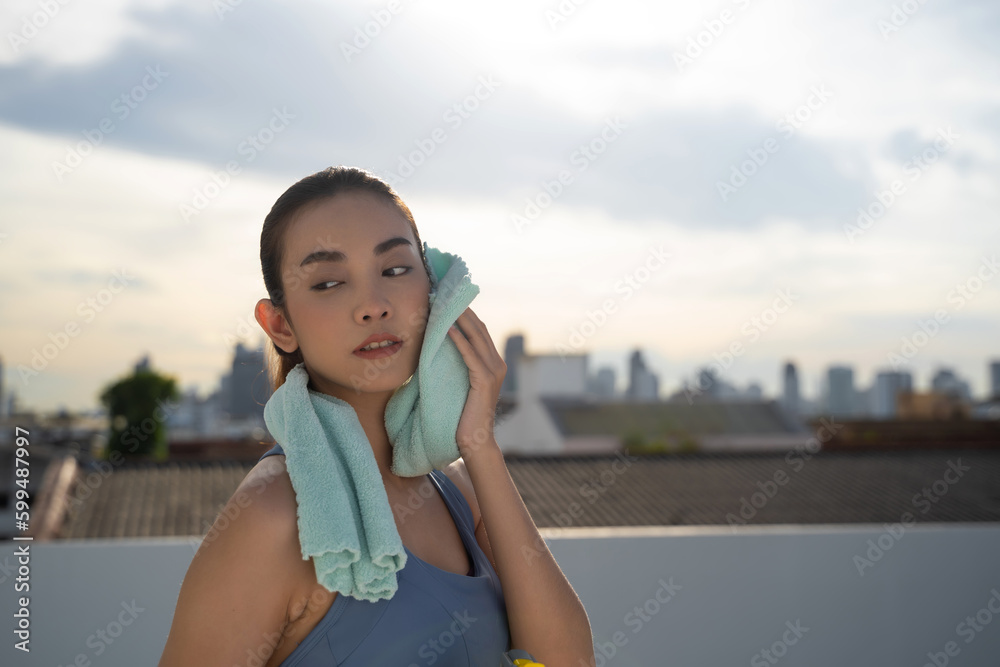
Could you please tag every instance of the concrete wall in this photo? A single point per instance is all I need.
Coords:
(656, 596)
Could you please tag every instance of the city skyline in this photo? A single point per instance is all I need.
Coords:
(945, 378)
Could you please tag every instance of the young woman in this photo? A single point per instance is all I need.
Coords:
(343, 263)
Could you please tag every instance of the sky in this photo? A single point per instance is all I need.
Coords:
(733, 184)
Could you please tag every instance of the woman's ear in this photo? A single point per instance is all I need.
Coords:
(274, 323)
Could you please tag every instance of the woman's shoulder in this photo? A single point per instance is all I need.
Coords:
(269, 487)
(243, 577)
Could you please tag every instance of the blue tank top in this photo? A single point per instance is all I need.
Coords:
(435, 617)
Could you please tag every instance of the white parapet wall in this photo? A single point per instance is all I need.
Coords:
(817, 596)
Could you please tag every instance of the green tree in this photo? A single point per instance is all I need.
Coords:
(137, 408)
(668, 438)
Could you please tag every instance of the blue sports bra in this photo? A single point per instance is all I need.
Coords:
(435, 617)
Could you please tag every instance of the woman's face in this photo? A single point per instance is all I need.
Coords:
(351, 268)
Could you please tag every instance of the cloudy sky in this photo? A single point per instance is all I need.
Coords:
(562, 153)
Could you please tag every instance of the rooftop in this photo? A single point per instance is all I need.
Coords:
(183, 498)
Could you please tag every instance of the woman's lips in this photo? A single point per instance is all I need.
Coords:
(379, 352)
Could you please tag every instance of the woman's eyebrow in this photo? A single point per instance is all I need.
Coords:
(338, 256)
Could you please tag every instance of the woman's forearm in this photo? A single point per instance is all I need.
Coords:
(545, 615)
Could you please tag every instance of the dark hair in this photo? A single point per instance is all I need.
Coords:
(319, 186)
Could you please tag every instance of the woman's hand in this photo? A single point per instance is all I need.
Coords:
(486, 373)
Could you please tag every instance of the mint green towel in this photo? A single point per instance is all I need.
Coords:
(344, 519)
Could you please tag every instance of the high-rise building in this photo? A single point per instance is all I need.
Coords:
(887, 386)
(840, 394)
(946, 382)
(143, 364)
(790, 397)
(994, 381)
(643, 385)
(512, 353)
(246, 388)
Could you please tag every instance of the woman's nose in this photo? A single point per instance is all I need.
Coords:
(373, 306)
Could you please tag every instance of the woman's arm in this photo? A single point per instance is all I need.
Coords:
(235, 594)
(545, 615)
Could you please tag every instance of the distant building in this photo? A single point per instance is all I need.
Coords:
(558, 375)
(887, 386)
(643, 385)
(246, 388)
(790, 390)
(528, 427)
(994, 381)
(142, 364)
(551, 415)
(934, 405)
(193, 415)
(709, 387)
(840, 394)
(512, 353)
(602, 385)
(946, 382)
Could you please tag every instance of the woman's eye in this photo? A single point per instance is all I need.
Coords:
(319, 287)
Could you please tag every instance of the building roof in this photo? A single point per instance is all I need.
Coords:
(151, 499)
(577, 417)
(184, 498)
(709, 488)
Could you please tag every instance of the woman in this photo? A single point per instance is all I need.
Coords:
(343, 262)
